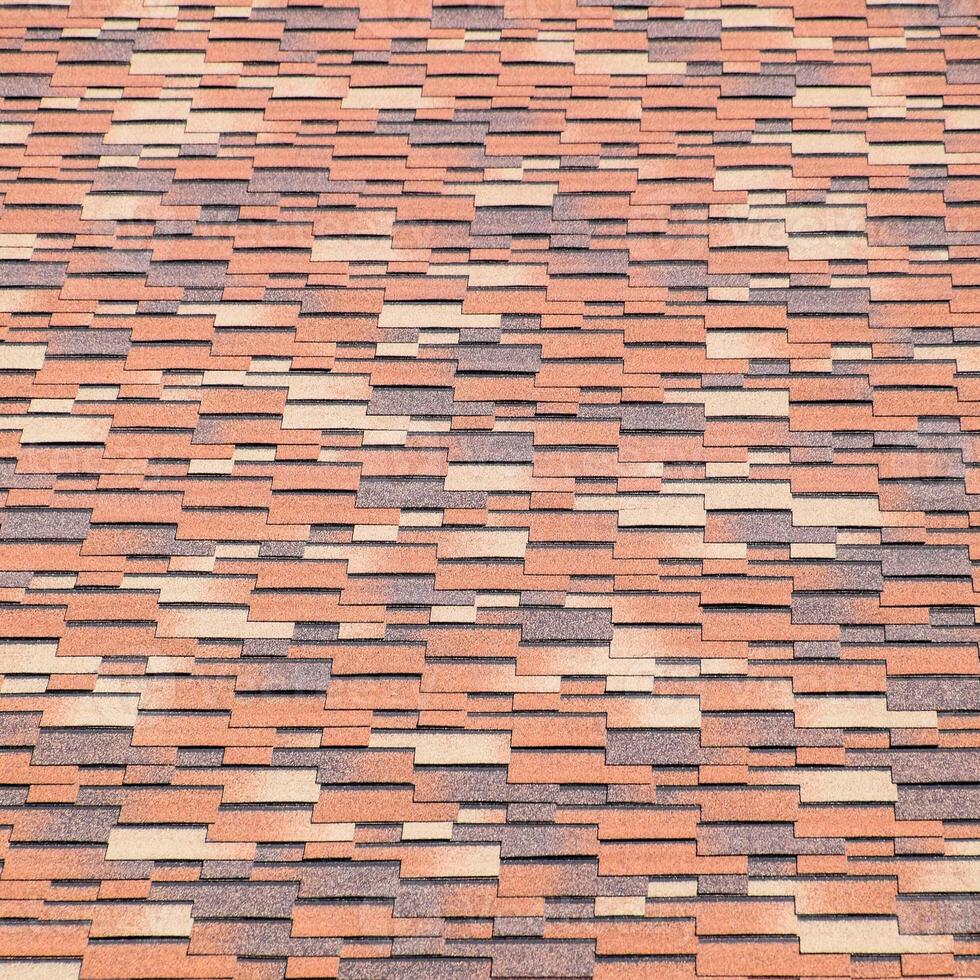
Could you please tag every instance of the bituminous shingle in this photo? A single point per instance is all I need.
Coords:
(488, 491)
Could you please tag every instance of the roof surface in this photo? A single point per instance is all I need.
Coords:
(489, 490)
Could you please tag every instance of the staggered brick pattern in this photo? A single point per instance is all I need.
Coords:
(489, 491)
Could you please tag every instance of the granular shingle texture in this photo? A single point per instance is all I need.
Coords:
(489, 489)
